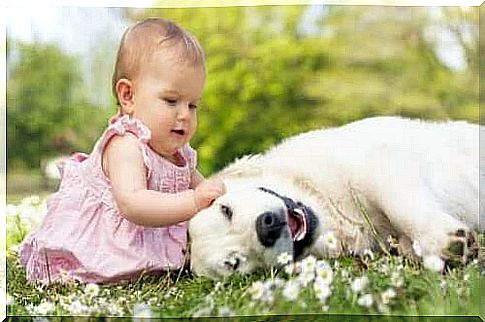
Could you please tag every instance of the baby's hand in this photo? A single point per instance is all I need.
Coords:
(207, 191)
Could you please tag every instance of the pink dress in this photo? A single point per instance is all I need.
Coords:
(84, 235)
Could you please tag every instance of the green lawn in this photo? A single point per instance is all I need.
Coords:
(393, 287)
(376, 284)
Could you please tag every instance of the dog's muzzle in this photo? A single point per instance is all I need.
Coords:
(301, 223)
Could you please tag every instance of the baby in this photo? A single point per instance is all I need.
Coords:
(121, 211)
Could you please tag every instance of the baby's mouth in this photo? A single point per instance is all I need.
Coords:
(179, 132)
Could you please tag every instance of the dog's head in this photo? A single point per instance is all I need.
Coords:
(248, 228)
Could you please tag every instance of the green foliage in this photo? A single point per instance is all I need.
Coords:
(180, 294)
(257, 66)
(268, 78)
(46, 111)
(388, 65)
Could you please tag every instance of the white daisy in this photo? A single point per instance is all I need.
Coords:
(330, 240)
(30, 200)
(291, 290)
(14, 249)
(45, 308)
(396, 279)
(77, 308)
(219, 286)
(9, 299)
(267, 296)
(324, 273)
(30, 308)
(284, 258)
(276, 282)
(91, 289)
(322, 291)
(225, 311)
(11, 210)
(305, 277)
(344, 273)
(256, 290)
(365, 300)
(114, 309)
(387, 295)
(40, 319)
(308, 264)
(141, 312)
(202, 312)
(433, 263)
(359, 284)
(443, 285)
(417, 249)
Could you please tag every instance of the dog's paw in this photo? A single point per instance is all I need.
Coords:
(462, 247)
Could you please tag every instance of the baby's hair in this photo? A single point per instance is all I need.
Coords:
(141, 40)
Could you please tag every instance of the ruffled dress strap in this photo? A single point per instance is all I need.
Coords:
(190, 155)
(121, 126)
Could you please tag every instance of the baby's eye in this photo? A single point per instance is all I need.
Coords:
(193, 106)
(171, 102)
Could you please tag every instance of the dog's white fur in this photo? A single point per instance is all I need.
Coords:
(415, 180)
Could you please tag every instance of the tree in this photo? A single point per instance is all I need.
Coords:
(254, 94)
(46, 112)
(388, 64)
(269, 79)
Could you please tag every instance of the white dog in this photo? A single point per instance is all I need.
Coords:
(374, 184)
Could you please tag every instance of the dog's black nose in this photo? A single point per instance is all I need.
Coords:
(268, 227)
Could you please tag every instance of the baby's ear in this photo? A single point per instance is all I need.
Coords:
(124, 92)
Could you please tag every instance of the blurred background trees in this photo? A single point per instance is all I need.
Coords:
(272, 72)
(47, 112)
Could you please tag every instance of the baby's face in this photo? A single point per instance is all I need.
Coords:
(166, 95)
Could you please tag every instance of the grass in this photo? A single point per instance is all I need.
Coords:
(382, 285)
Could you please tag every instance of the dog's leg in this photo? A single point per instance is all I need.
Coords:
(433, 231)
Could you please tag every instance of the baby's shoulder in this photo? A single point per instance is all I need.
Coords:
(122, 149)
(123, 133)
(127, 142)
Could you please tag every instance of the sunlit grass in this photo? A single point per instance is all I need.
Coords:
(374, 284)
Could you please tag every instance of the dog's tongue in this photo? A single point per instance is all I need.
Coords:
(297, 224)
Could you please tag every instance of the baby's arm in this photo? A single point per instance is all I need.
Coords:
(124, 166)
(196, 179)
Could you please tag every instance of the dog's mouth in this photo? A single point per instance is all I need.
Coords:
(301, 222)
(297, 223)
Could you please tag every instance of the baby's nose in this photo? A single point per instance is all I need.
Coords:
(183, 111)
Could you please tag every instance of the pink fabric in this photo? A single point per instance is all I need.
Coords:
(84, 235)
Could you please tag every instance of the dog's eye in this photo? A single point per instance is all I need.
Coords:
(226, 211)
